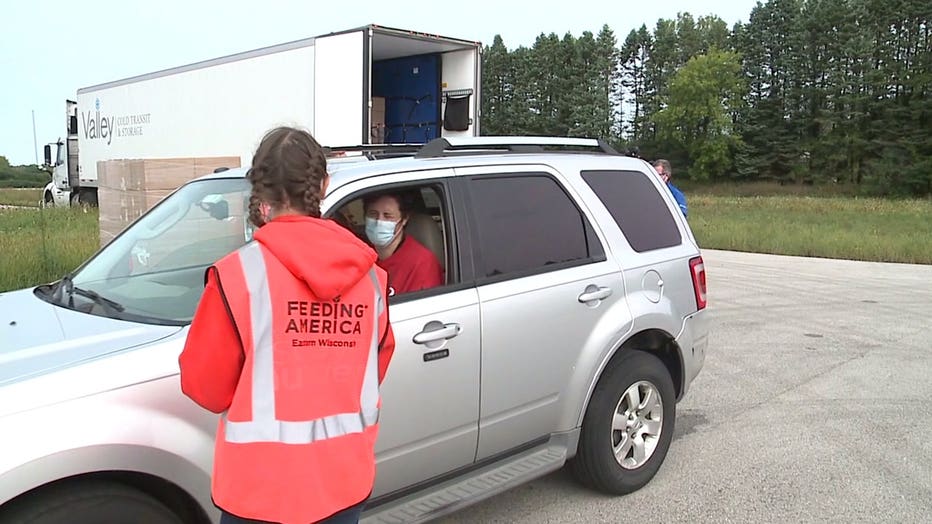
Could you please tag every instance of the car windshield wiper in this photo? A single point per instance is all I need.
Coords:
(66, 285)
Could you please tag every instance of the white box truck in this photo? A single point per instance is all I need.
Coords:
(362, 86)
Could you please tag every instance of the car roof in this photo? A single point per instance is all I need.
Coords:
(469, 152)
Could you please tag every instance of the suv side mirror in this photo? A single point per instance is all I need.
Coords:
(216, 206)
(220, 210)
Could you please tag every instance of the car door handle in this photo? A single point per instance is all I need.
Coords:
(441, 332)
(593, 293)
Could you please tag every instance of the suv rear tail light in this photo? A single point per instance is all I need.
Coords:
(697, 268)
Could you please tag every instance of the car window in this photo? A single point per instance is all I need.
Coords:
(527, 223)
(637, 207)
(410, 270)
(155, 267)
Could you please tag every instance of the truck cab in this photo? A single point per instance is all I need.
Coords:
(63, 166)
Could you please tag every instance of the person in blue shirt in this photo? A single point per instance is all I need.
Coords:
(666, 172)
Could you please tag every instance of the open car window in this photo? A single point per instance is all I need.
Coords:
(427, 221)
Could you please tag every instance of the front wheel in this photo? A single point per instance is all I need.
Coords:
(628, 425)
(89, 502)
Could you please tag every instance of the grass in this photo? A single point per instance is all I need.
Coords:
(765, 188)
(20, 197)
(871, 229)
(41, 245)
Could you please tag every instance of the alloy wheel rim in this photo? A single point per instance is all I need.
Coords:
(636, 424)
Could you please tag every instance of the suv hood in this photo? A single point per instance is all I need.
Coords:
(37, 337)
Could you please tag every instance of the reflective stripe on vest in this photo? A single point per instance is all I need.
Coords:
(264, 427)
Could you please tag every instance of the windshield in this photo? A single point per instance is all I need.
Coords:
(154, 270)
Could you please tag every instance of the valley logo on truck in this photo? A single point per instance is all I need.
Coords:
(104, 127)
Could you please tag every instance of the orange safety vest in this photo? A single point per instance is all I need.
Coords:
(297, 443)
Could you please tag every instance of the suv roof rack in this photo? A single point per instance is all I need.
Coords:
(440, 147)
(374, 151)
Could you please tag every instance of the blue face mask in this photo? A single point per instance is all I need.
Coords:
(380, 232)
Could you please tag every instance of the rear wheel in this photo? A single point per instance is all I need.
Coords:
(90, 197)
(628, 425)
(85, 198)
(90, 502)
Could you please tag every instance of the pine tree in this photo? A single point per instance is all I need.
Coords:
(635, 55)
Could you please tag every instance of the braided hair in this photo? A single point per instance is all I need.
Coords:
(288, 170)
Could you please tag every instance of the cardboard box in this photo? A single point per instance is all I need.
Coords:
(118, 209)
(159, 174)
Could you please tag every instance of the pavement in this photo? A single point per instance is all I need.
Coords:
(814, 405)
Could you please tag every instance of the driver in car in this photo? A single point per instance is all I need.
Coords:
(410, 265)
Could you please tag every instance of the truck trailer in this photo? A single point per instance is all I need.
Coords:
(368, 85)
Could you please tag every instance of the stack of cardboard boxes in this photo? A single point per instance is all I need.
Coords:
(378, 120)
(129, 188)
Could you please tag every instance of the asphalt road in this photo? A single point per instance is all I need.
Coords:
(815, 405)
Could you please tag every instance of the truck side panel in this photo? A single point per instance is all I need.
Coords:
(221, 110)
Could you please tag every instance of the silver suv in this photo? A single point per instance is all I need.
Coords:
(572, 320)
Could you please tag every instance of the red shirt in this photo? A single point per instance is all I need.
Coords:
(411, 267)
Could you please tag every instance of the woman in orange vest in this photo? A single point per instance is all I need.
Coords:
(290, 343)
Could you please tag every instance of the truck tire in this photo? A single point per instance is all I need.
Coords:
(90, 197)
(91, 502)
(628, 425)
(85, 198)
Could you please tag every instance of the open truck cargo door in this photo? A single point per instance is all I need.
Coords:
(404, 87)
(341, 88)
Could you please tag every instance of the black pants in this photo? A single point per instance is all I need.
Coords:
(347, 516)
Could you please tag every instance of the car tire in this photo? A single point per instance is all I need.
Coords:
(629, 378)
(91, 502)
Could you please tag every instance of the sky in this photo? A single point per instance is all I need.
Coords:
(50, 49)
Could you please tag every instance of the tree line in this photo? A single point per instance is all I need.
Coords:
(805, 91)
(21, 176)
